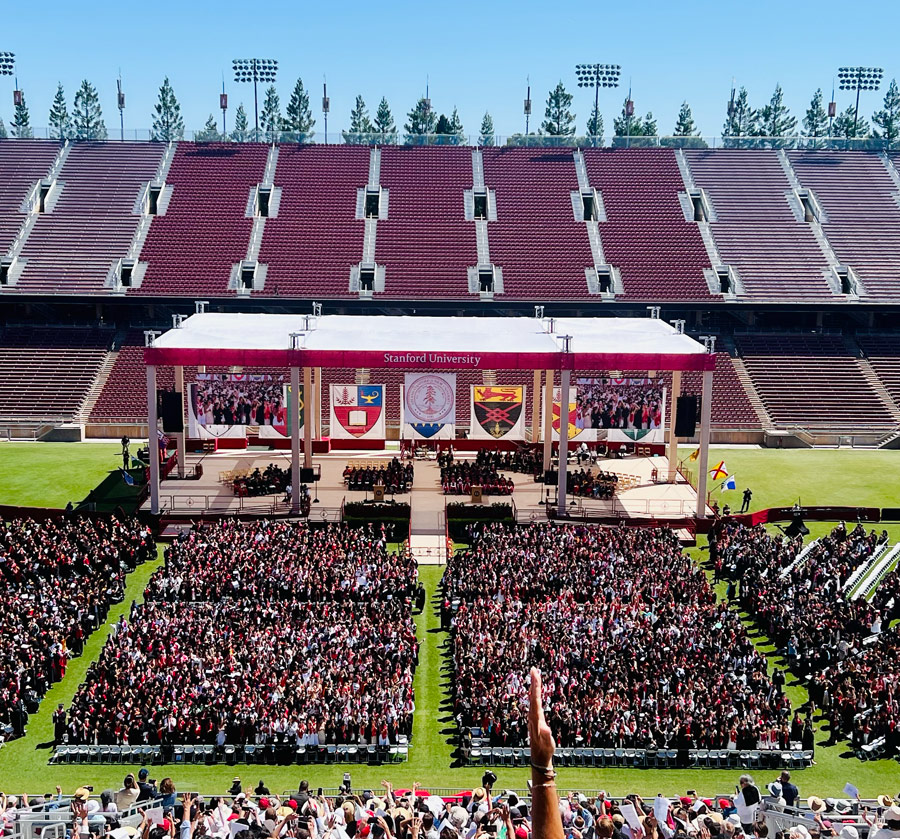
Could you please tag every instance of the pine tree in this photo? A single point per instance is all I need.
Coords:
(442, 128)
(486, 136)
(360, 124)
(299, 119)
(595, 127)
(815, 122)
(420, 120)
(888, 118)
(210, 132)
(626, 130)
(559, 121)
(3, 134)
(270, 119)
(21, 124)
(774, 121)
(456, 128)
(60, 124)
(384, 119)
(241, 131)
(87, 116)
(844, 125)
(686, 134)
(739, 122)
(168, 125)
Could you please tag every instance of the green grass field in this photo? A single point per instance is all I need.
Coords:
(776, 477)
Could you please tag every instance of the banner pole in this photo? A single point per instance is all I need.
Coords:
(548, 419)
(673, 440)
(535, 407)
(295, 441)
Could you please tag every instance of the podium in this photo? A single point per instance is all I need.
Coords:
(378, 494)
(476, 495)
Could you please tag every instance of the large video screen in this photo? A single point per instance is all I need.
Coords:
(238, 399)
(619, 403)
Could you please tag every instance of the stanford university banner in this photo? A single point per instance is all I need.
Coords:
(498, 412)
(574, 430)
(429, 406)
(357, 411)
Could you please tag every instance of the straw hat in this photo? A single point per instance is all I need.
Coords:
(816, 804)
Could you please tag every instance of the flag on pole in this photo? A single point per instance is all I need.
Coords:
(719, 471)
(694, 454)
(127, 478)
(729, 483)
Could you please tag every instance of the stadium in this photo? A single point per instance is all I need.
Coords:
(287, 494)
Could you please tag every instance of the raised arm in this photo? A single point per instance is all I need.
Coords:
(546, 821)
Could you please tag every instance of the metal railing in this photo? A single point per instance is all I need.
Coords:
(399, 138)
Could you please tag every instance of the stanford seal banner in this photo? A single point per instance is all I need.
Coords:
(429, 406)
(498, 412)
(357, 411)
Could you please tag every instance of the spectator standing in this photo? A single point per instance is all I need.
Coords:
(748, 494)
(747, 803)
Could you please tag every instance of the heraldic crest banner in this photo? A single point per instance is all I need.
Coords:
(429, 406)
(357, 411)
(498, 412)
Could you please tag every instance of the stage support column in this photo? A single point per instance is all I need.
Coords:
(295, 440)
(565, 380)
(153, 438)
(548, 419)
(179, 438)
(705, 416)
(673, 440)
(536, 407)
(319, 433)
(308, 418)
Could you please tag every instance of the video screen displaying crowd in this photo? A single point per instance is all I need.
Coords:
(635, 648)
(220, 399)
(618, 403)
(395, 477)
(279, 560)
(60, 578)
(260, 633)
(841, 646)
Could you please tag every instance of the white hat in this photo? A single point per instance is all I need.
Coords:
(799, 831)
(848, 831)
(775, 788)
(892, 813)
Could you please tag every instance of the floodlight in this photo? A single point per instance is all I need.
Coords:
(597, 76)
(255, 70)
(7, 63)
(859, 78)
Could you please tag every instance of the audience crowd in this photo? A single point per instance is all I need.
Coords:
(609, 403)
(636, 649)
(528, 461)
(459, 477)
(60, 577)
(254, 400)
(269, 561)
(261, 633)
(585, 483)
(394, 476)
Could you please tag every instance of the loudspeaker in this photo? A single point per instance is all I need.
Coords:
(307, 476)
(686, 416)
(378, 494)
(171, 412)
(475, 496)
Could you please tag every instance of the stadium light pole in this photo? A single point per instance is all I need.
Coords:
(859, 78)
(597, 76)
(8, 68)
(255, 70)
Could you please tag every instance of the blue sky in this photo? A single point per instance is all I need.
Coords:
(477, 55)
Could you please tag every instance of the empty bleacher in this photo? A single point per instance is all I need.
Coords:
(811, 381)
(660, 255)
(755, 230)
(536, 240)
(883, 354)
(190, 250)
(46, 373)
(72, 249)
(22, 164)
(862, 204)
(425, 243)
(731, 406)
(315, 238)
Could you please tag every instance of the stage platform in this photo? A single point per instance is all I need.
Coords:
(209, 496)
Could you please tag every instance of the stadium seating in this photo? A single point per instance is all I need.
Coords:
(190, 250)
(22, 164)
(883, 353)
(811, 381)
(660, 255)
(776, 255)
(536, 240)
(425, 243)
(315, 238)
(863, 214)
(45, 374)
(124, 395)
(72, 249)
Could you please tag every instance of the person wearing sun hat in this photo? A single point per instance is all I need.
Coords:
(891, 826)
